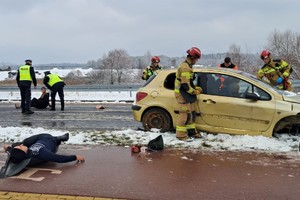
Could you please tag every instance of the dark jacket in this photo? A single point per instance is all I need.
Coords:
(42, 102)
(44, 147)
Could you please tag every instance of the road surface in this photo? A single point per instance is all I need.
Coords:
(176, 174)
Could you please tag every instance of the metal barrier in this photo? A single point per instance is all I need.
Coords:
(86, 88)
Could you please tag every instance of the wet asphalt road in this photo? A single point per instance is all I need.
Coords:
(76, 116)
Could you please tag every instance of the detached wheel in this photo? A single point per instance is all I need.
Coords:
(157, 118)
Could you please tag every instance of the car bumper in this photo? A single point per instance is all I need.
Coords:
(136, 108)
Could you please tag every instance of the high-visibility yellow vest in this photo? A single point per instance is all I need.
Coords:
(54, 78)
(24, 72)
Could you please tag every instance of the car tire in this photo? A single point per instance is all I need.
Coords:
(157, 118)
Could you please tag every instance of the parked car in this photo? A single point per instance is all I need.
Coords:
(240, 104)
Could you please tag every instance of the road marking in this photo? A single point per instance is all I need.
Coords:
(26, 175)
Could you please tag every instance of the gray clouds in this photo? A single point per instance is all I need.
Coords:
(80, 30)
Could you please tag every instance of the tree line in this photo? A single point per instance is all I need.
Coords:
(114, 66)
(117, 66)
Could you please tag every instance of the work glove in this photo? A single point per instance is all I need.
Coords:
(279, 80)
(197, 91)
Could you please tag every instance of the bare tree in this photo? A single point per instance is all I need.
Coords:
(286, 46)
(245, 61)
(234, 53)
(117, 62)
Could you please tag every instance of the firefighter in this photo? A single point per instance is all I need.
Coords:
(186, 95)
(54, 83)
(25, 77)
(152, 69)
(277, 71)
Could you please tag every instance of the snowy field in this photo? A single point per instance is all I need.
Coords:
(221, 142)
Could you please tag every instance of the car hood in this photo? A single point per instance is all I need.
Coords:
(294, 99)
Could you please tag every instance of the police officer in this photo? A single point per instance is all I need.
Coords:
(54, 83)
(277, 71)
(186, 95)
(25, 76)
(152, 69)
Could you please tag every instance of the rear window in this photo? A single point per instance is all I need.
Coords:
(170, 81)
(149, 80)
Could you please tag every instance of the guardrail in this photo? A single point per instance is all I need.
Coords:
(93, 88)
(90, 93)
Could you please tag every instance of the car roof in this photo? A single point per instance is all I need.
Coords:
(212, 70)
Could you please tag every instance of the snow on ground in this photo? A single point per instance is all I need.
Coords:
(219, 142)
(76, 96)
(61, 72)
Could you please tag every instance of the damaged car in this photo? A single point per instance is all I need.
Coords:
(232, 102)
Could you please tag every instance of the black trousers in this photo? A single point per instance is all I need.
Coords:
(57, 88)
(25, 97)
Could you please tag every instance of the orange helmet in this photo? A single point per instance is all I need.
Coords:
(194, 52)
(265, 54)
(155, 59)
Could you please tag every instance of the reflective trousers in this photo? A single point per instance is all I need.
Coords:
(186, 118)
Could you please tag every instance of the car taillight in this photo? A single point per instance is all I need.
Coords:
(140, 95)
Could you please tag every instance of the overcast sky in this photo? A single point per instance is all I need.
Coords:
(76, 31)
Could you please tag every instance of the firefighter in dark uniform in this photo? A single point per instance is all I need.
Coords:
(25, 77)
(277, 71)
(186, 95)
(152, 69)
(54, 83)
(228, 64)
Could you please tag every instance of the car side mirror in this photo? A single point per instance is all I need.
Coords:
(253, 96)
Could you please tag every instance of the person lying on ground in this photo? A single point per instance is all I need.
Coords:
(40, 148)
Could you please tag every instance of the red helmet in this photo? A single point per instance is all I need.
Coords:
(194, 52)
(155, 59)
(265, 54)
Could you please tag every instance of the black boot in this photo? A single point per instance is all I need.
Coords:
(63, 138)
(191, 132)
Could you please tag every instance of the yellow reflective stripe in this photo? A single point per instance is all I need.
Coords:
(181, 128)
(269, 70)
(191, 126)
(285, 74)
(177, 82)
(176, 90)
(149, 71)
(284, 64)
(280, 87)
(184, 109)
(186, 74)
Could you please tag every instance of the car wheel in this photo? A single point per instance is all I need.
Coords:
(157, 118)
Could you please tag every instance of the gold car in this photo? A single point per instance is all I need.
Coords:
(232, 102)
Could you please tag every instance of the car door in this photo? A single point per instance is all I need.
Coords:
(227, 105)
